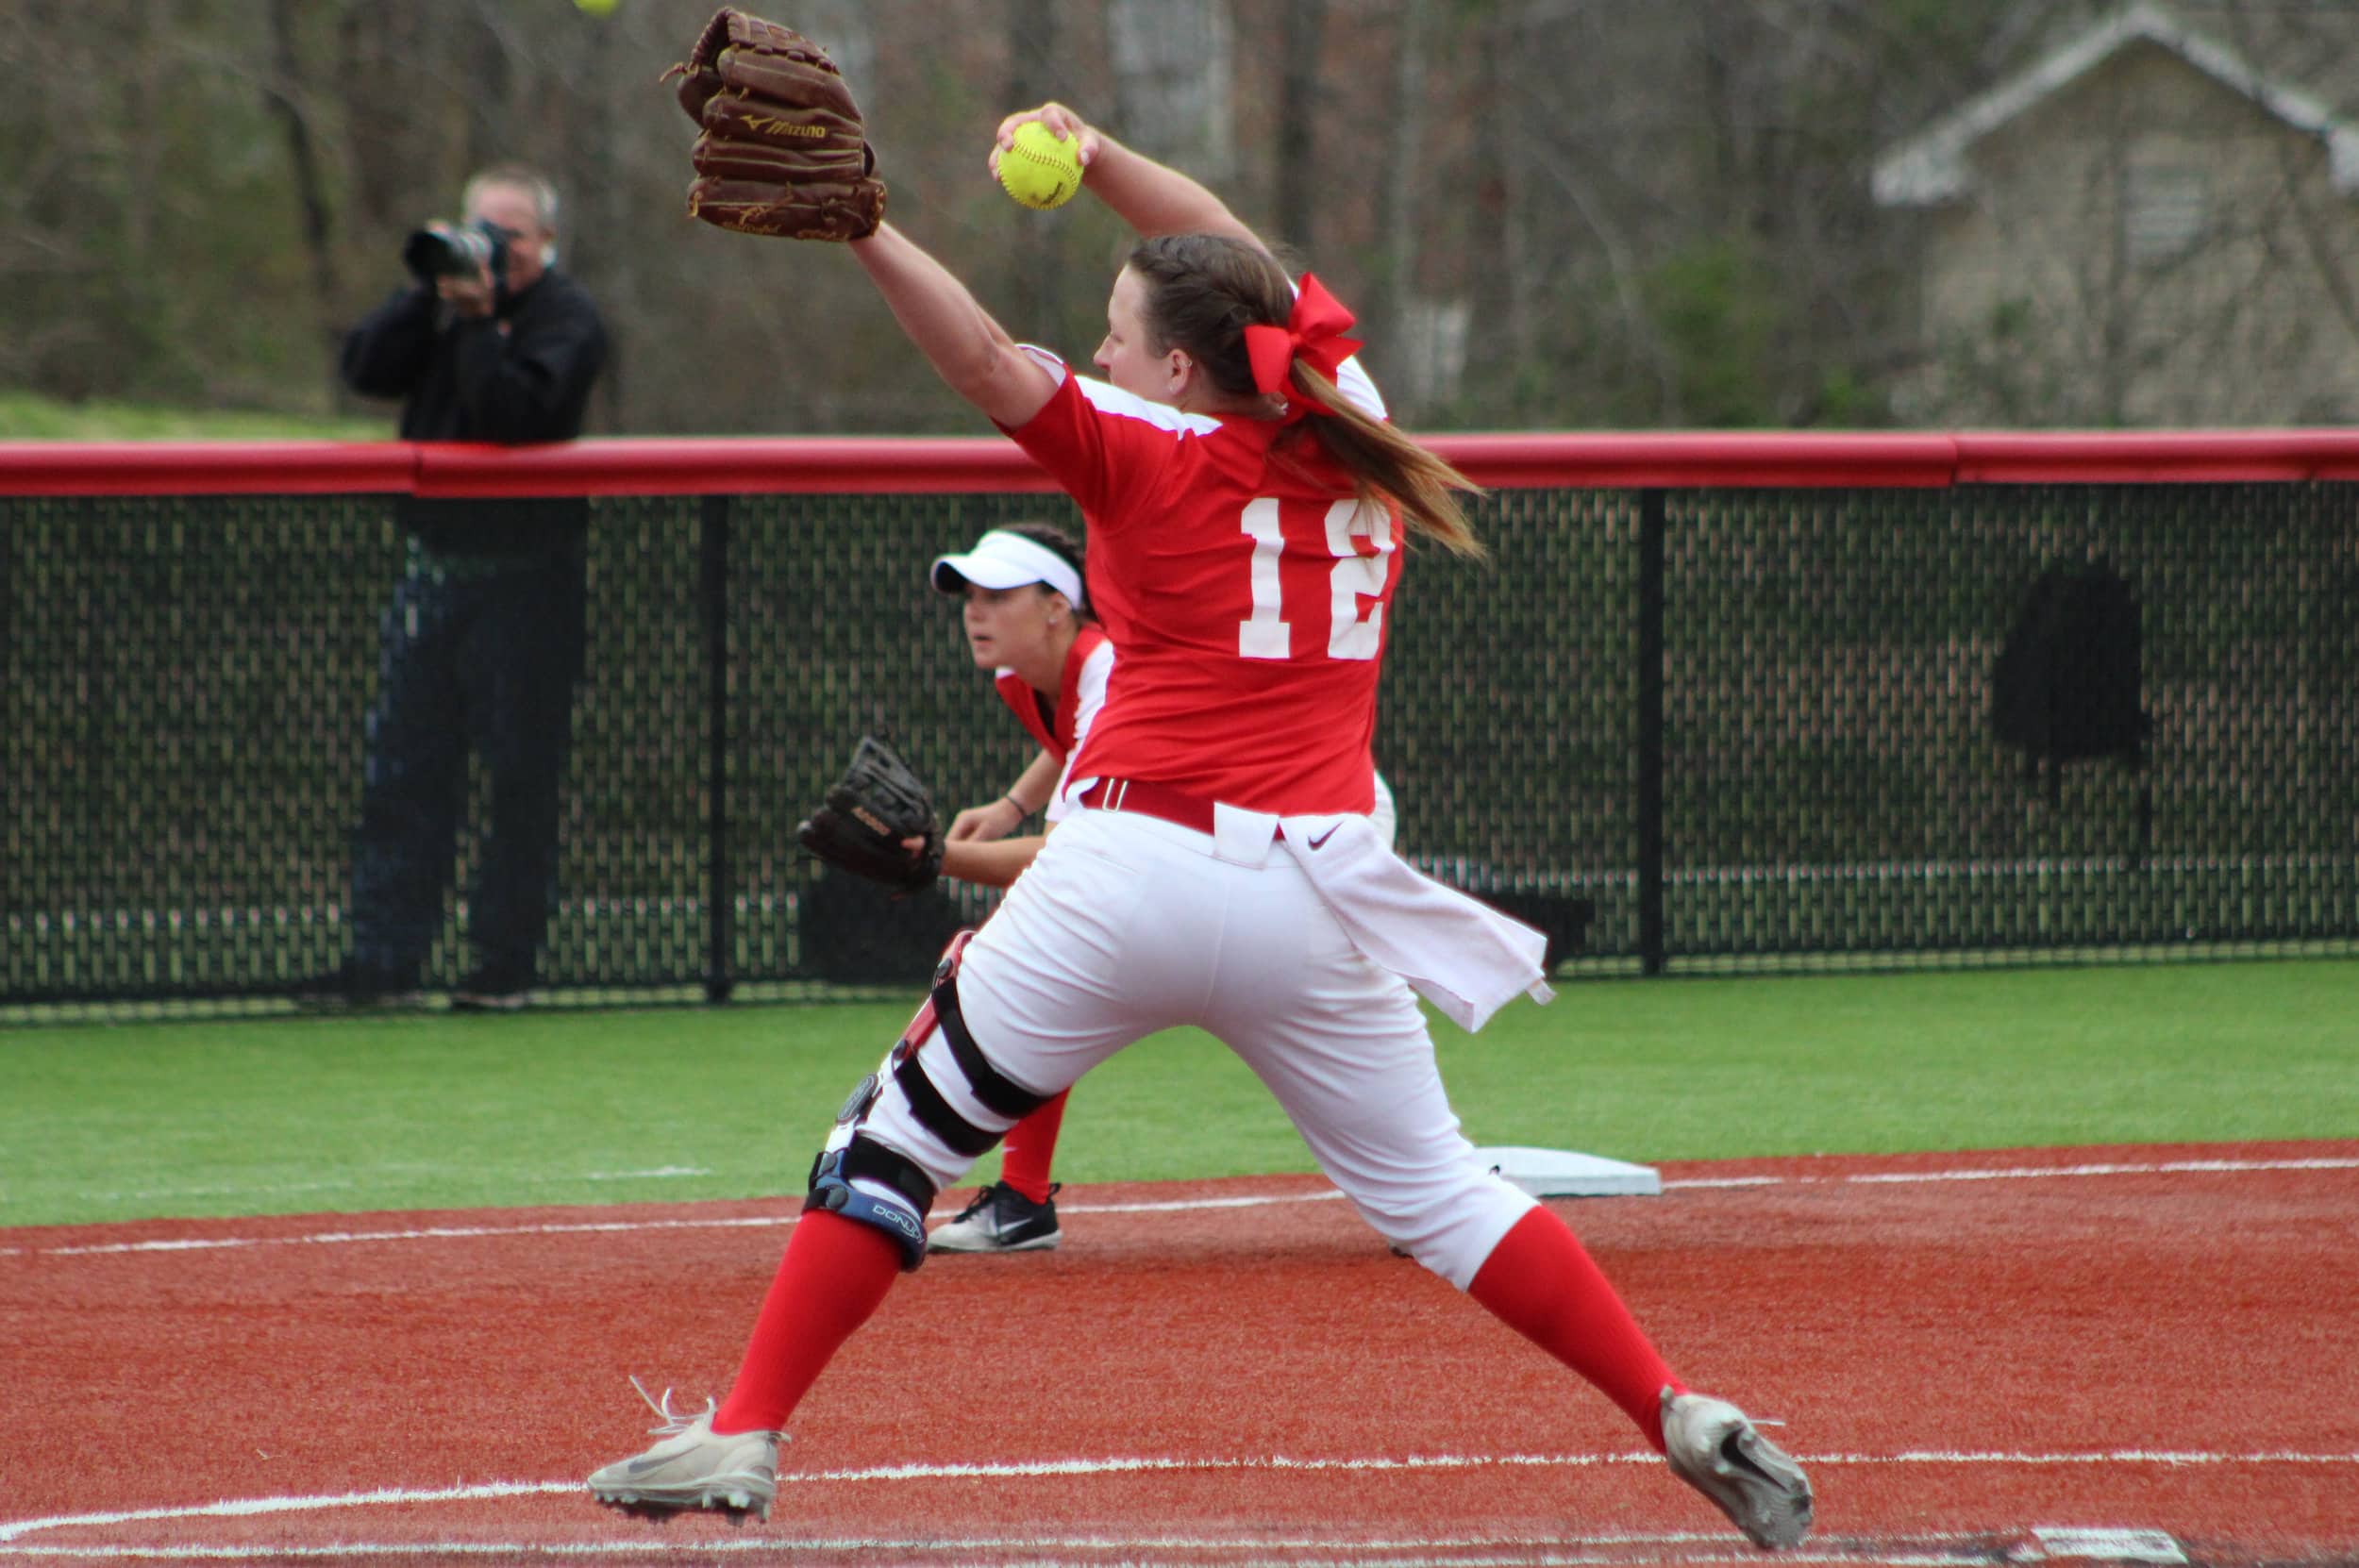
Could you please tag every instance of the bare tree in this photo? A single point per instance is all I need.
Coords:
(1173, 66)
(291, 105)
(1615, 215)
(1300, 175)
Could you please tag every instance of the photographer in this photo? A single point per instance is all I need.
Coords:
(482, 639)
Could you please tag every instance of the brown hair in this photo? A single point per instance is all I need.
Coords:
(1204, 290)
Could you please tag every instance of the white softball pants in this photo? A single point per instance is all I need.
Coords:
(1126, 926)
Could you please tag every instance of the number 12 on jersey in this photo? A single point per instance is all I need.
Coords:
(1268, 634)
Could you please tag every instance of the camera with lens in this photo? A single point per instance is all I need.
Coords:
(457, 250)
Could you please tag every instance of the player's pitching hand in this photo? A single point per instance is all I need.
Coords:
(1061, 121)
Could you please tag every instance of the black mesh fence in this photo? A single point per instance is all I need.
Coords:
(1832, 781)
(1678, 729)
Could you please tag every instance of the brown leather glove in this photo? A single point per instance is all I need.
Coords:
(783, 151)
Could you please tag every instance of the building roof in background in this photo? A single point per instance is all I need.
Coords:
(1931, 167)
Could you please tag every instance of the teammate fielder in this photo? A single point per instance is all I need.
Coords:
(1244, 552)
(1026, 619)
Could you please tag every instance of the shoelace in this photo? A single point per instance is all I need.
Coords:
(675, 1421)
(990, 1197)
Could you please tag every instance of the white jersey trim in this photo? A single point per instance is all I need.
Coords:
(1352, 378)
(1107, 398)
(1091, 688)
(1353, 381)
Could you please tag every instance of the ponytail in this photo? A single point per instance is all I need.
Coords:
(1387, 466)
(1230, 305)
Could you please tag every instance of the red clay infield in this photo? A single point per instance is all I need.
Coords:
(2117, 1353)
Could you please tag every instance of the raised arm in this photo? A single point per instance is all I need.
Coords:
(1153, 198)
(969, 350)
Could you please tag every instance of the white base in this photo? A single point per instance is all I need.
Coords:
(1562, 1173)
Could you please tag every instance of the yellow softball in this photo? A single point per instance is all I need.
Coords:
(1040, 171)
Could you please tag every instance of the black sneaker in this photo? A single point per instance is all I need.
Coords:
(1001, 1220)
(357, 987)
(494, 988)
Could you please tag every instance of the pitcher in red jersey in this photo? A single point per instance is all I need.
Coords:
(1247, 516)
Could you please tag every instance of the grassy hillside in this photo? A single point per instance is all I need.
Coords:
(24, 416)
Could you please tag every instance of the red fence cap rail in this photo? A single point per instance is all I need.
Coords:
(934, 464)
(1695, 459)
(2154, 456)
(204, 468)
(710, 465)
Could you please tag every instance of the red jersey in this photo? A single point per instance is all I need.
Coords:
(1080, 690)
(1062, 725)
(1248, 600)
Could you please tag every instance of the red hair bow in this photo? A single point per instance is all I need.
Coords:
(1315, 335)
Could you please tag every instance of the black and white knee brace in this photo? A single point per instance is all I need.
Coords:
(918, 1123)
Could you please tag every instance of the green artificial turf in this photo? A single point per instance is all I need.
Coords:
(435, 1110)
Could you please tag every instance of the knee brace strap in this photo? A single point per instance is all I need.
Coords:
(902, 1216)
(930, 1109)
(1010, 1099)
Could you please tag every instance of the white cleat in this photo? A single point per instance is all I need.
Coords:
(1715, 1448)
(693, 1467)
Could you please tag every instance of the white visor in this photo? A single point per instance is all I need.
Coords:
(1002, 559)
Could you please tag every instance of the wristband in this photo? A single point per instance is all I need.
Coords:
(1021, 809)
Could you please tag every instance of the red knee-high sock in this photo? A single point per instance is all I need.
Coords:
(1031, 1148)
(1542, 1282)
(832, 1280)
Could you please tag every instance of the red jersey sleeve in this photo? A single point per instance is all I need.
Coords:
(1105, 446)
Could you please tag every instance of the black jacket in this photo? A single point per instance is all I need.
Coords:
(523, 374)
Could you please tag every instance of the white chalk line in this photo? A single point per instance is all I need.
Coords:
(239, 1189)
(579, 1227)
(440, 1233)
(493, 1490)
(426, 1233)
(2024, 1172)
